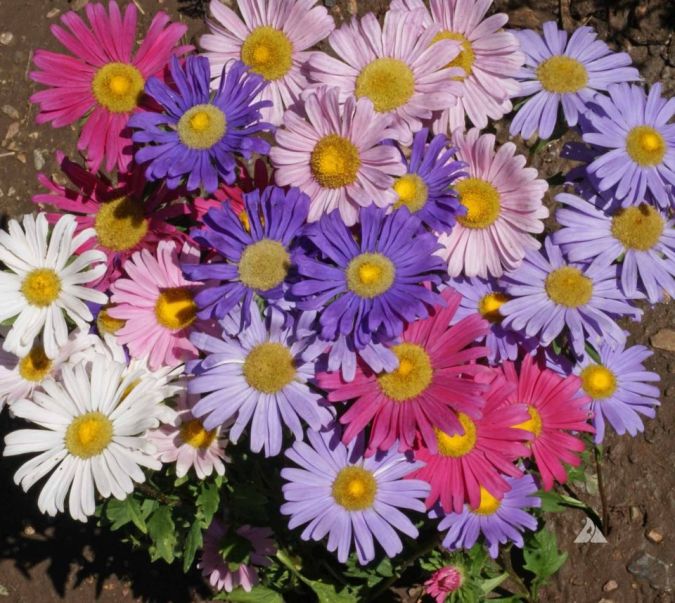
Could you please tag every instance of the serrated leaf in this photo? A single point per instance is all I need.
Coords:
(541, 554)
(163, 533)
(326, 593)
(258, 594)
(122, 512)
(207, 502)
(489, 585)
(193, 542)
(554, 502)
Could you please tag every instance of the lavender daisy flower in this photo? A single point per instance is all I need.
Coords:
(558, 72)
(257, 246)
(425, 188)
(261, 377)
(550, 294)
(486, 297)
(351, 498)
(619, 389)
(499, 521)
(640, 143)
(368, 285)
(641, 234)
(197, 136)
(343, 356)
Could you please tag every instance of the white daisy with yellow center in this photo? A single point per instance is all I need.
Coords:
(93, 437)
(44, 281)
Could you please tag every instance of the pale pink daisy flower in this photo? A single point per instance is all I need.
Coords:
(224, 574)
(103, 80)
(157, 304)
(503, 201)
(336, 155)
(490, 59)
(395, 65)
(188, 444)
(272, 40)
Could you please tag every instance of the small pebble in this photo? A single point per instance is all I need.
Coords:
(12, 131)
(10, 111)
(28, 530)
(654, 536)
(53, 13)
(22, 157)
(635, 514)
(610, 585)
(664, 340)
(6, 38)
(38, 159)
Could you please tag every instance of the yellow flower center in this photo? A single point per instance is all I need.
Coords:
(370, 274)
(354, 488)
(202, 126)
(533, 424)
(89, 435)
(481, 200)
(568, 287)
(120, 224)
(388, 83)
(118, 87)
(106, 323)
(489, 306)
(489, 505)
(562, 75)
(268, 52)
(269, 367)
(41, 287)
(466, 56)
(413, 375)
(598, 381)
(335, 162)
(412, 192)
(35, 366)
(646, 146)
(458, 445)
(194, 434)
(175, 308)
(264, 265)
(638, 227)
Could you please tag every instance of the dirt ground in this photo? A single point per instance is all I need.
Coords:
(43, 559)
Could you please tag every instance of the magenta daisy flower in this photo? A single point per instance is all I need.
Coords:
(157, 303)
(272, 39)
(253, 547)
(489, 57)
(443, 582)
(335, 155)
(503, 201)
(555, 407)
(395, 65)
(104, 80)
(435, 376)
(477, 455)
(126, 216)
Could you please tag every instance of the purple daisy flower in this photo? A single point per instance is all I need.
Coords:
(619, 389)
(343, 356)
(257, 246)
(368, 285)
(195, 135)
(260, 376)
(486, 297)
(425, 188)
(641, 234)
(558, 72)
(340, 493)
(550, 294)
(499, 521)
(633, 127)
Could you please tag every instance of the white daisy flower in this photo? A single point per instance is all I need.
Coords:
(93, 438)
(41, 282)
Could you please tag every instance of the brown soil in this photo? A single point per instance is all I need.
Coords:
(43, 559)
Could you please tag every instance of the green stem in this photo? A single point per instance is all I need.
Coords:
(148, 490)
(508, 566)
(601, 490)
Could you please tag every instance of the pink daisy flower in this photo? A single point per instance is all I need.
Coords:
(435, 376)
(335, 155)
(555, 406)
(396, 66)
(224, 574)
(188, 444)
(444, 581)
(124, 216)
(503, 201)
(480, 455)
(272, 40)
(157, 304)
(490, 58)
(104, 80)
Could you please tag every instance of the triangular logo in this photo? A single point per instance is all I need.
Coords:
(590, 533)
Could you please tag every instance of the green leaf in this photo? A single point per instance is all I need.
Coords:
(489, 585)
(163, 533)
(326, 593)
(193, 542)
(121, 512)
(207, 502)
(258, 594)
(554, 502)
(235, 549)
(542, 557)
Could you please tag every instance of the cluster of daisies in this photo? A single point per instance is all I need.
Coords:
(328, 256)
